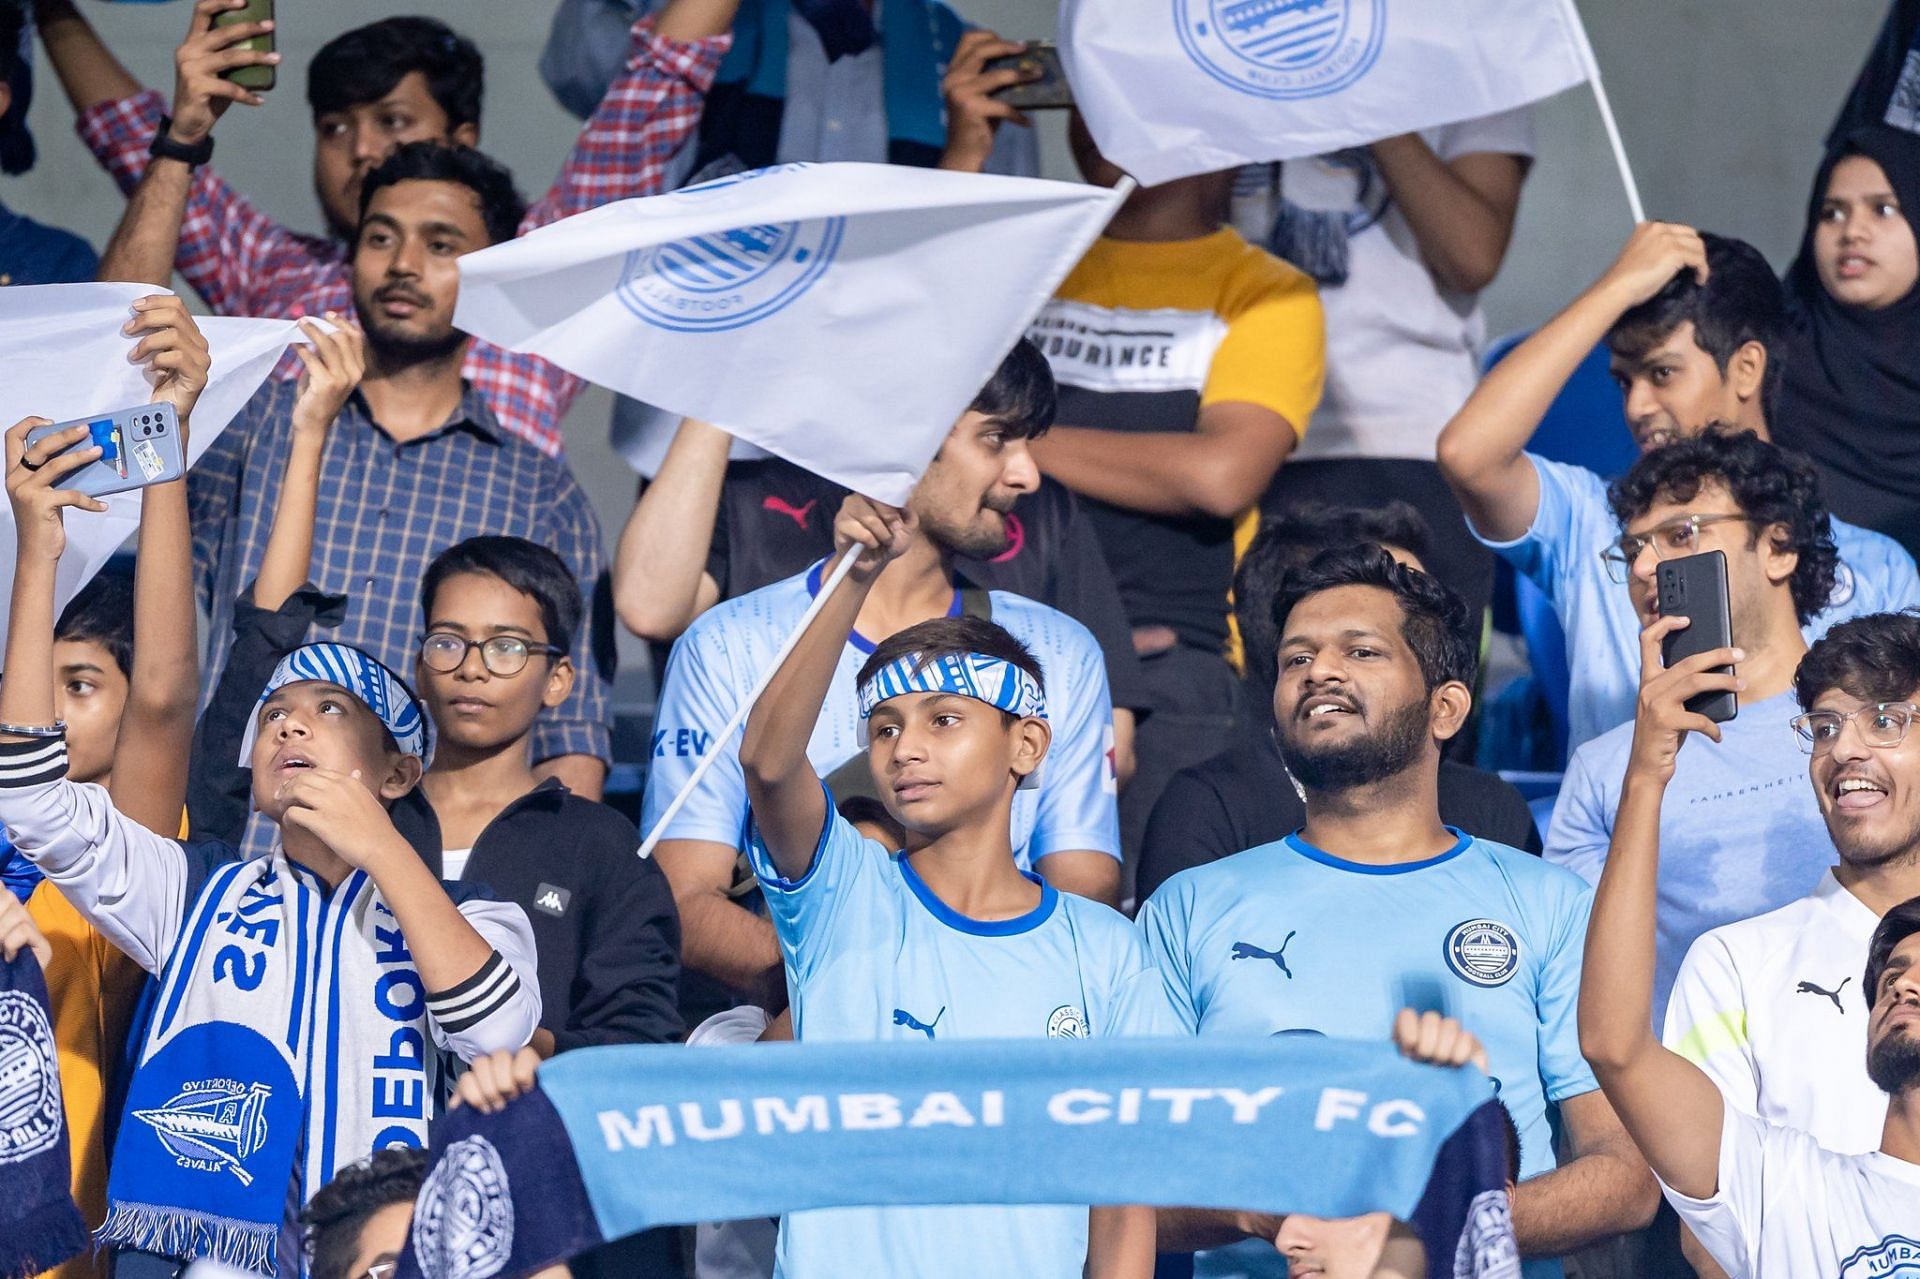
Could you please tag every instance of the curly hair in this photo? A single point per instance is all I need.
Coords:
(1772, 486)
(1741, 302)
(331, 1222)
(1875, 658)
(1435, 622)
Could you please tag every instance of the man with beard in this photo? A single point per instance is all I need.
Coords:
(1375, 905)
(1067, 828)
(1744, 834)
(1767, 1200)
(416, 461)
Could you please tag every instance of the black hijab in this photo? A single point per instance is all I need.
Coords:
(1851, 392)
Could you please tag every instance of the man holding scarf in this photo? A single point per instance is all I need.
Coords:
(302, 994)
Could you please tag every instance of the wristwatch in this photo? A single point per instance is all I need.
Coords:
(165, 148)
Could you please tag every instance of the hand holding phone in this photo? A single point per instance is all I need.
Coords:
(227, 57)
(251, 73)
(1695, 587)
(1044, 86)
(137, 447)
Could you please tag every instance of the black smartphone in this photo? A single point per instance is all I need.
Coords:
(1046, 85)
(1695, 587)
(138, 447)
(257, 78)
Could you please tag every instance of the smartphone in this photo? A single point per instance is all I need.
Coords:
(259, 78)
(1695, 587)
(138, 447)
(1046, 89)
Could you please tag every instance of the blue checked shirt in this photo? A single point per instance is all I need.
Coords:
(385, 510)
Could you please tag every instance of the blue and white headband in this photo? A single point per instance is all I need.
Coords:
(378, 688)
(993, 680)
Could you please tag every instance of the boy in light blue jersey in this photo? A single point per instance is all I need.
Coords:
(1696, 325)
(948, 937)
(1375, 905)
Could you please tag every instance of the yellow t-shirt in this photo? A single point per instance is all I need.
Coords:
(92, 989)
(1142, 336)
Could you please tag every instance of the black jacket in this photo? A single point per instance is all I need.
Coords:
(604, 921)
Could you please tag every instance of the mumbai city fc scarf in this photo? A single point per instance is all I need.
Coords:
(39, 1225)
(290, 1026)
(616, 1140)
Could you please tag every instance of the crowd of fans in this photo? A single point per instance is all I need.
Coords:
(1155, 710)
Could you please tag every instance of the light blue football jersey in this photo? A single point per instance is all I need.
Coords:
(1288, 939)
(714, 666)
(872, 954)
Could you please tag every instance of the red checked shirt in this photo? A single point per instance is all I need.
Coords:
(244, 263)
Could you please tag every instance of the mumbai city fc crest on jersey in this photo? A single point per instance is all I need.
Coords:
(215, 1125)
(1067, 1022)
(1282, 48)
(30, 1115)
(1483, 951)
(1895, 1257)
(728, 279)
(463, 1227)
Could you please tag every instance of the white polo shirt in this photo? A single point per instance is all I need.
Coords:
(1771, 1009)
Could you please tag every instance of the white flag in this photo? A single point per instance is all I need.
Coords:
(62, 356)
(839, 315)
(1171, 88)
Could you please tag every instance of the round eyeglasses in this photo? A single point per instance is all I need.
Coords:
(1883, 724)
(502, 655)
(1670, 540)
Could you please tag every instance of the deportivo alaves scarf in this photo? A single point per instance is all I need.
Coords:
(617, 1140)
(291, 1025)
(39, 1225)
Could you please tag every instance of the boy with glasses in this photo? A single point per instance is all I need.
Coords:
(1741, 834)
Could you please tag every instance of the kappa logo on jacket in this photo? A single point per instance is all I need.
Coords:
(552, 900)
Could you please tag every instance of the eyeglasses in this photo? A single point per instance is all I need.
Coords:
(1669, 540)
(1885, 726)
(502, 655)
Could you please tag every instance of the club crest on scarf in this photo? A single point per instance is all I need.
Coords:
(213, 1125)
(1282, 48)
(463, 1219)
(30, 1115)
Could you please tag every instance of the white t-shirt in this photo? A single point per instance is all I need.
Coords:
(1786, 1209)
(453, 863)
(1402, 353)
(1771, 1009)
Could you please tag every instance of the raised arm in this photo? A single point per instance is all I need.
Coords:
(1482, 451)
(332, 363)
(1220, 468)
(1669, 1107)
(1460, 211)
(87, 69)
(660, 580)
(789, 804)
(156, 728)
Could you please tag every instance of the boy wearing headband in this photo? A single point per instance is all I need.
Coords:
(946, 938)
(303, 995)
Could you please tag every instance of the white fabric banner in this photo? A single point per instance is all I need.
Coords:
(1172, 88)
(839, 315)
(62, 356)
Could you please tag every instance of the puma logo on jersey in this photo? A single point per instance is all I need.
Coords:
(901, 1017)
(798, 514)
(551, 900)
(1247, 950)
(1808, 988)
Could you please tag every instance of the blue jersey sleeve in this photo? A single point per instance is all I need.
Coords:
(1077, 810)
(1163, 929)
(1564, 1072)
(1883, 573)
(1571, 520)
(804, 910)
(698, 696)
(1582, 825)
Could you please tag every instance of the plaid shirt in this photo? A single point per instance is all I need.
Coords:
(385, 510)
(244, 263)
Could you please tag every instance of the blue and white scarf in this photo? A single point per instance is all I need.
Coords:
(993, 680)
(360, 673)
(615, 1140)
(291, 1025)
(39, 1225)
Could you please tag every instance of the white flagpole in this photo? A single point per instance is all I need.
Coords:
(725, 736)
(1601, 100)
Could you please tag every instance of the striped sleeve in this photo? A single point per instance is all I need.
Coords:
(498, 1007)
(128, 882)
